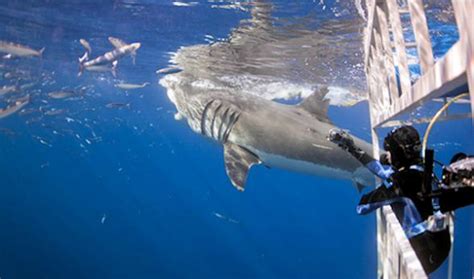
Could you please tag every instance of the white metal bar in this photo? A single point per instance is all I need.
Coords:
(463, 11)
(382, 72)
(388, 53)
(446, 75)
(410, 265)
(420, 29)
(376, 86)
(401, 57)
(368, 31)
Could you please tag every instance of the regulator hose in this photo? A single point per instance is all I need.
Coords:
(435, 118)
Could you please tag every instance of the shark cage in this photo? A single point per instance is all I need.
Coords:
(394, 89)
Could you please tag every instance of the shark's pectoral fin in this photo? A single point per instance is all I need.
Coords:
(238, 161)
(316, 105)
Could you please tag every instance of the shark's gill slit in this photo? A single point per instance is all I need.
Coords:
(234, 117)
(224, 123)
(204, 118)
(213, 121)
(217, 120)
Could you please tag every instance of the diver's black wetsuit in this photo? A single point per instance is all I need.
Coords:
(431, 247)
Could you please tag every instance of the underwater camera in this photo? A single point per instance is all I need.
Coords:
(460, 172)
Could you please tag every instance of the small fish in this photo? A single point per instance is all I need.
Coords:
(6, 89)
(168, 71)
(18, 74)
(34, 120)
(60, 94)
(18, 105)
(220, 216)
(183, 4)
(110, 57)
(27, 85)
(131, 86)
(118, 105)
(8, 132)
(19, 50)
(42, 141)
(102, 220)
(102, 69)
(28, 111)
(54, 111)
(118, 43)
(94, 139)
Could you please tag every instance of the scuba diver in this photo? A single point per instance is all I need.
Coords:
(420, 202)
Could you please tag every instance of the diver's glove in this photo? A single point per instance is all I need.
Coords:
(345, 141)
(341, 138)
(435, 223)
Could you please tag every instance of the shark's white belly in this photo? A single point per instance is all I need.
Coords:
(278, 161)
(361, 175)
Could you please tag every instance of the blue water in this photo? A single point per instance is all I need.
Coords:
(99, 192)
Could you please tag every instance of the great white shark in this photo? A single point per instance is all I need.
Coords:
(215, 88)
(254, 130)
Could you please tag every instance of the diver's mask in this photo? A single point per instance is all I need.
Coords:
(404, 146)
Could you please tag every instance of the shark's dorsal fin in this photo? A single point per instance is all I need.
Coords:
(238, 161)
(316, 105)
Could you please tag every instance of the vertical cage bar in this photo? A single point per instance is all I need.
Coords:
(422, 36)
(388, 52)
(399, 40)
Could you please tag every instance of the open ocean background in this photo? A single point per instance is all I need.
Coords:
(90, 191)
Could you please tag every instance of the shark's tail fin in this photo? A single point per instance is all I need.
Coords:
(133, 54)
(363, 178)
(86, 45)
(360, 187)
(83, 59)
(114, 68)
(41, 52)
